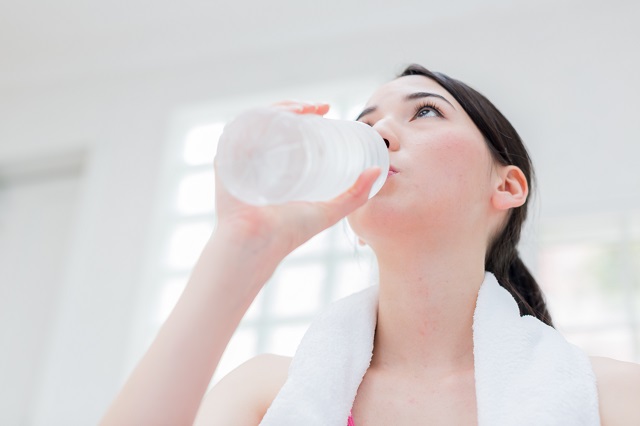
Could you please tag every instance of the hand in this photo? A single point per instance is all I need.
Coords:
(277, 230)
(303, 107)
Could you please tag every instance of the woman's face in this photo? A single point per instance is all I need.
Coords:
(441, 167)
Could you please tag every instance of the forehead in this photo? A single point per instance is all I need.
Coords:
(396, 90)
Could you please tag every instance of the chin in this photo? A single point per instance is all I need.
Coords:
(385, 219)
(376, 216)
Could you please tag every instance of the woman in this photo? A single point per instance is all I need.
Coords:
(451, 209)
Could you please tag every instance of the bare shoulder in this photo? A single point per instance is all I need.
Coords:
(241, 398)
(618, 391)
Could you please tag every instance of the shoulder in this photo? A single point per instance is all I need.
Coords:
(618, 385)
(243, 396)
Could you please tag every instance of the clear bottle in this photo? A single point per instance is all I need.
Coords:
(271, 156)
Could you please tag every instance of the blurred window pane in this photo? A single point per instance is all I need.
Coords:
(591, 282)
(186, 244)
(201, 143)
(297, 290)
(355, 275)
(616, 343)
(196, 193)
(580, 281)
(284, 340)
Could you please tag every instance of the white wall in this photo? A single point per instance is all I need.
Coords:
(563, 72)
(37, 219)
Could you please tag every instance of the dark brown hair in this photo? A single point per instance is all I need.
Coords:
(506, 148)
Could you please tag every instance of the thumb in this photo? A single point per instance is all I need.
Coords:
(354, 197)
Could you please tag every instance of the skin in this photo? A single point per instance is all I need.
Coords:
(429, 227)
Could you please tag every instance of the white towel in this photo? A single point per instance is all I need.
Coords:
(526, 373)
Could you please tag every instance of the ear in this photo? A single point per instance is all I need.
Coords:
(511, 188)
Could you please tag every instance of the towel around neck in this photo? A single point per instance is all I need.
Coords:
(526, 373)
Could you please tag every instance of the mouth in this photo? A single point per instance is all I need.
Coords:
(392, 171)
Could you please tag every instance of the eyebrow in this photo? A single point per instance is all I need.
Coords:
(410, 97)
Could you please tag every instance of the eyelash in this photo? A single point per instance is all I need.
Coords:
(425, 105)
(420, 107)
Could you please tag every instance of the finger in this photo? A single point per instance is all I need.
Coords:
(289, 104)
(354, 197)
(300, 107)
(322, 109)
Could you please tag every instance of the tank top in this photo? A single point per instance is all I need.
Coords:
(350, 420)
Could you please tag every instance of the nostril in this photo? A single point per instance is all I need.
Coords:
(386, 142)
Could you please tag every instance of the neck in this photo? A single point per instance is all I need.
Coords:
(425, 310)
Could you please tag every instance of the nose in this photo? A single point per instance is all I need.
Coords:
(385, 130)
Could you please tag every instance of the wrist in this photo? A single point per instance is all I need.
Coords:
(250, 260)
(251, 238)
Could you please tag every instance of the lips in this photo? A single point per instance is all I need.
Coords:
(392, 171)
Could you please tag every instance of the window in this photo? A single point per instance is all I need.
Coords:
(589, 269)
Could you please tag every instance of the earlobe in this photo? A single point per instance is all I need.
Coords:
(512, 189)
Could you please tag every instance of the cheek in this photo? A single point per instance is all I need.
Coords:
(461, 164)
(458, 154)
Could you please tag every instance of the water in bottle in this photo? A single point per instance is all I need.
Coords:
(271, 156)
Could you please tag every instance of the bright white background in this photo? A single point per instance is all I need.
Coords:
(97, 100)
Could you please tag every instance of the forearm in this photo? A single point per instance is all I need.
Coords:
(168, 384)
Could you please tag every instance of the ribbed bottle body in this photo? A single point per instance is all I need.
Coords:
(271, 156)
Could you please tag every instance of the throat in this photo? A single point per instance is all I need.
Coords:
(433, 342)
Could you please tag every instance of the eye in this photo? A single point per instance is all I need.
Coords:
(427, 110)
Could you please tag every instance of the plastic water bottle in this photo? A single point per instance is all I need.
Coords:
(271, 156)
